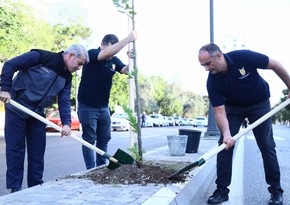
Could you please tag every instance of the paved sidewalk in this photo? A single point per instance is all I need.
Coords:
(85, 192)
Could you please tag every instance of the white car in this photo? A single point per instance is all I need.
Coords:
(200, 121)
(158, 120)
(171, 121)
(178, 120)
(185, 122)
(148, 121)
(166, 121)
(119, 122)
(190, 121)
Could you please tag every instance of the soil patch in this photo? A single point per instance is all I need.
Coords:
(150, 172)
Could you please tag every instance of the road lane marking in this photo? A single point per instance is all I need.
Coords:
(276, 138)
(236, 195)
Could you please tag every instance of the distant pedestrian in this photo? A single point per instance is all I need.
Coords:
(143, 119)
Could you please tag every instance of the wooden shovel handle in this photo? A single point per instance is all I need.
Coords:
(58, 128)
(208, 155)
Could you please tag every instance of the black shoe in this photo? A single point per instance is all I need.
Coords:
(15, 190)
(276, 198)
(218, 197)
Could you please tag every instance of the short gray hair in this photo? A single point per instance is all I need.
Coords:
(79, 51)
(211, 48)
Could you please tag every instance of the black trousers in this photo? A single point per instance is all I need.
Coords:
(265, 141)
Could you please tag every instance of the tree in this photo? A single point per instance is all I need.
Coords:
(125, 7)
(65, 35)
(146, 94)
(19, 33)
(283, 115)
(168, 99)
(171, 103)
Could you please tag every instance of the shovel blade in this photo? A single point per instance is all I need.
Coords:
(181, 171)
(122, 157)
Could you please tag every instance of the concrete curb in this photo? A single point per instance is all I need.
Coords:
(194, 191)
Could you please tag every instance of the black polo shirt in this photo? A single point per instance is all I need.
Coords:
(241, 85)
(96, 80)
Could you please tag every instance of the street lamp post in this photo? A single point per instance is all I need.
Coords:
(212, 129)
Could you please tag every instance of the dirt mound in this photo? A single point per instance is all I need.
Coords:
(149, 172)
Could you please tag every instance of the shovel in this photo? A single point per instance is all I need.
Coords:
(205, 157)
(119, 158)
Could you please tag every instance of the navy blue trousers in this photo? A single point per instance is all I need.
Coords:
(22, 134)
(96, 126)
(265, 141)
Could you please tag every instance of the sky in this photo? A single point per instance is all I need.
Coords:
(171, 32)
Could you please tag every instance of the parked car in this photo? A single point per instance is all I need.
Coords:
(200, 121)
(185, 122)
(190, 121)
(158, 120)
(149, 121)
(171, 121)
(177, 121)
(166, 122)
(119, 121)
(55, 118)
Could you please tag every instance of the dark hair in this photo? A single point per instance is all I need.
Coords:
(211, 48)
(110, 38)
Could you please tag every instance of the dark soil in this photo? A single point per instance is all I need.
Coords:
(149, 172)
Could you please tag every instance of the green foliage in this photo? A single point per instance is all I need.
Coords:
(66, 35)
(119, 91)
(123, 6)
(159, 96)
(132, 74)
(283, 116)
(134, 152)
(168, 99)
(20, 31)
(131, 118)
(13, 29)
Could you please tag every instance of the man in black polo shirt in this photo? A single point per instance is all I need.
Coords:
(94, 94)
(237, 91)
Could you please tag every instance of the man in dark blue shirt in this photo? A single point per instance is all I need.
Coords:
(94, 94)
(237, 91)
